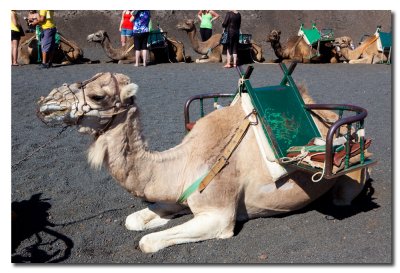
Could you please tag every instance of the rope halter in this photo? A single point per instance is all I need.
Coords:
(68, 109)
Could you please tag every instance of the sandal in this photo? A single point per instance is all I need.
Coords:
(227, 66)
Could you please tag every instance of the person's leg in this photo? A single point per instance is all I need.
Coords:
(234, 59)
(235, 43)
(137, 55)
(123, 40)
(53, 33)
(203, 34)
(136, 41)
(145, 51)
(14, 52)
(208, 34)
(46, 47)
(228, 58)
(144, 56)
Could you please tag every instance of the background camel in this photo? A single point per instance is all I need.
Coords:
(68, 51)
(366, 53)
(126, 54)
(244, 189)
(212, 47)
(296, 49)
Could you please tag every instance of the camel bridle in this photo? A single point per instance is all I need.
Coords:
(103, 113)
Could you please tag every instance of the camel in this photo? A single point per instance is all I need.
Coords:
(126, 54)
(105, 108)
(296, 49)
(212, 47)
(366, 53)
(68, 51)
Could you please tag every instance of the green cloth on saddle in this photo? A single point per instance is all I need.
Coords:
(386, 39)
(312, 35)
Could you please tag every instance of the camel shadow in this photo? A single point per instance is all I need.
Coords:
(32, 236)
(364, 202)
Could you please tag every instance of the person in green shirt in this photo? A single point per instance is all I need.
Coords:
(206, 17)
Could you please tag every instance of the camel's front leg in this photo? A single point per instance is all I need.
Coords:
(204, 226)
(155, 215)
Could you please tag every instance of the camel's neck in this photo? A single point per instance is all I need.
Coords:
(139, 171)
(349, 54)
(196, 44)
(277, 47)
(109, 49)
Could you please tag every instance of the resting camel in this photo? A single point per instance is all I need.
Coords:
(366, 53)
(68, 51)
(212, 47)
(105, 107)
(126, 54)
(296, 49)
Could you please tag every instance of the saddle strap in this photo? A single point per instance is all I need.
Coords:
(222, 161)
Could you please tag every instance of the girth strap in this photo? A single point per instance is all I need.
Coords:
(202, 182)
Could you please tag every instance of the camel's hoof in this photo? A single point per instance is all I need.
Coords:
(132, 222)
(147, 245)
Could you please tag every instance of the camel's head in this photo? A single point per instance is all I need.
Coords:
(274, 36)
(92, 104)
(343, 42)
(187, 25)
(97, 37)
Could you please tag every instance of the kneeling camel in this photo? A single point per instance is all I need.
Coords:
(105, 107)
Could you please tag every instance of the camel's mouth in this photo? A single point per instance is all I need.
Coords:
(54, 114)
(56, 109)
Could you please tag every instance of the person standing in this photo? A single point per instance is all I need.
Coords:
(141, 19)
(206, 18)
(16, 33)
(126, 26)
(48, 36)
(231, 24)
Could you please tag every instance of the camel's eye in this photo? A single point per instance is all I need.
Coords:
(97, 98)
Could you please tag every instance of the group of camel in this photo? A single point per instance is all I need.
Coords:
(295, 49)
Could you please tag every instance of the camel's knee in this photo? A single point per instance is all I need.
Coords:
(155, 215)
(144, 219)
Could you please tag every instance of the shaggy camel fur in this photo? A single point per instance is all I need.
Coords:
(366, 53)
(67, 53)
(212, 47)
(296, 49)
(244, 189)
(126, 54)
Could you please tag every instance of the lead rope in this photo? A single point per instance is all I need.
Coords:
(40, 147)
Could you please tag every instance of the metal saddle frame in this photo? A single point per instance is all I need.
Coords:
(290, 124)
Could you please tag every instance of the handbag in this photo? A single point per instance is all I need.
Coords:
(224, 38)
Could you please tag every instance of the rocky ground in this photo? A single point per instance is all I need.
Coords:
(69, 213)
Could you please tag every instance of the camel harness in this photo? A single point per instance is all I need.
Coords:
(223, 160)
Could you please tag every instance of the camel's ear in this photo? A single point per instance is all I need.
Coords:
(128, 91)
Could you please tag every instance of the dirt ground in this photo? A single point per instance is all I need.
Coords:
(69, 213)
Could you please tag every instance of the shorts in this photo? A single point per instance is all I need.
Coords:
(126, 32)
(140, 40)
(48, 39)
(15, 35)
